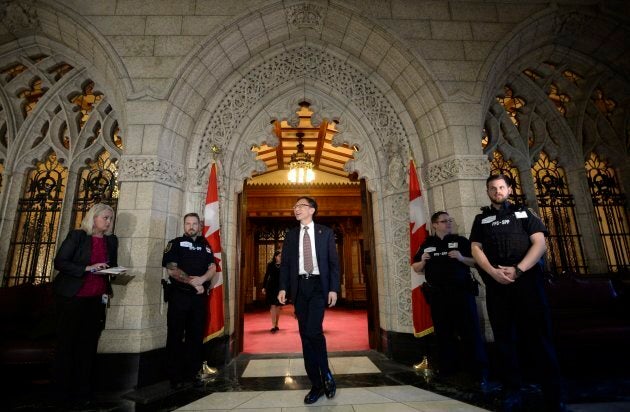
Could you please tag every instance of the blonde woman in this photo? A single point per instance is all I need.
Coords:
(82, 295)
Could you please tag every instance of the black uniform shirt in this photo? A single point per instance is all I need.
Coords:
(442, 270)
(504, 233)
(192, 256)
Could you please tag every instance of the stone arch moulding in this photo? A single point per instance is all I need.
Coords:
(577, 30)
(334, 74)
(341, 87)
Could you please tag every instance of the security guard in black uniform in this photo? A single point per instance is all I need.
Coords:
(190, 265)
(446, 260)
(508, 243)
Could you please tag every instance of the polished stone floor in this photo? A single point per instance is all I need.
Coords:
(366, 381)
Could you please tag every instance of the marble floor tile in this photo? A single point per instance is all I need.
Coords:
(448, 405)
(315, 408)
(263, 368)
(267, 367)
(352, 364)
(383, 407)
(407, 394)
(221, 401)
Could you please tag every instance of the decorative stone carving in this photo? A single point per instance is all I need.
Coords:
(386, 142)
(152, 169)
(571, 24)
(305, 16)
(469, 167)
(306, 62)
(397, 168)
(19, 16)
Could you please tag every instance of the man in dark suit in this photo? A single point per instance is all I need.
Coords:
(311, 275)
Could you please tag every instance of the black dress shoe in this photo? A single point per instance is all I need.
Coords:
(330, 387)
(313, 395)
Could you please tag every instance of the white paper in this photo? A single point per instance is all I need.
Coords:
(112, 271)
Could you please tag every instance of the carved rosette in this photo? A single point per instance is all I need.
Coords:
(469, 167)
(151, 169)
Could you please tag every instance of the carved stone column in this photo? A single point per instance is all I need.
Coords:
(149, 210)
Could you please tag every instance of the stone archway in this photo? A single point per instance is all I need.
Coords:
(387, 100)
(368, 118)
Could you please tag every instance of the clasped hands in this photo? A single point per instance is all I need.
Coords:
(194, 281)
(504, 274)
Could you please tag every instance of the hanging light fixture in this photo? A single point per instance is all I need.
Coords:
(301, 166)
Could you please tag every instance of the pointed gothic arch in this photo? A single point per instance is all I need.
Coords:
(215, 104)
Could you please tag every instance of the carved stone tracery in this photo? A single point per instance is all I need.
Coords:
(383, 142)
(306, 62)
(151, 169)
(469, 167)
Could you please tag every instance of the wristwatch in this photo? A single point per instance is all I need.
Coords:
(518, 271)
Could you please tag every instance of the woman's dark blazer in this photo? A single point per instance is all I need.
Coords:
(73, 256)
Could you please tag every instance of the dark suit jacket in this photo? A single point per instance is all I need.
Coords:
(327, 260)
(73, 256)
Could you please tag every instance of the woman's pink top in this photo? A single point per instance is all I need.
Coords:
(95, 285)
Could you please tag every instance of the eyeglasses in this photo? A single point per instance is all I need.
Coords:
(446, 221)
(301, 205)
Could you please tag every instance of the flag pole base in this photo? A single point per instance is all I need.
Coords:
(423, 367)
(207, 371)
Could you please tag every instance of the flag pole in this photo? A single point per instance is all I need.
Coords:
(422, 321)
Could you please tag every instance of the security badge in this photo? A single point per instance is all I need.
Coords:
(488, 219)
(452, 245)
(168, 247)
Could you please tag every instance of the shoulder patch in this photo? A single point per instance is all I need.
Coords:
(168, 247)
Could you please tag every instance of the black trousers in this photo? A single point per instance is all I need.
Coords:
(310, 304)
(519, 316)
(80, 321)
(457, 329)
(186, 322)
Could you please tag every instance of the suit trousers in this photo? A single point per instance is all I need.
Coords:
(186, 320)
(310, 304)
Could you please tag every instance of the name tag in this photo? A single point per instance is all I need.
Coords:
(429, 249)
(488, 219)
(520, 215)
(185, 244)
(452, 245)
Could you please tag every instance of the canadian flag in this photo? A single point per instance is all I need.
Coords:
(422, 322)
(211, 227)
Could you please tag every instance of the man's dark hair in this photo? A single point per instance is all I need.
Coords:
(499, 176)
(436, 216)
(312, 203)
(192, 215)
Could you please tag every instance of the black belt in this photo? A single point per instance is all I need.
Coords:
(308, 275)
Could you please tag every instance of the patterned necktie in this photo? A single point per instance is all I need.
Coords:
(307, 251)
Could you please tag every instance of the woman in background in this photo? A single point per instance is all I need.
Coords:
(81, 295)
(271, 285)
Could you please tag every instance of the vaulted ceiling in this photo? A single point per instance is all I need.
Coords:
(317, 143)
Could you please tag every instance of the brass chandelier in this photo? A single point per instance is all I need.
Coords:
(301, 165)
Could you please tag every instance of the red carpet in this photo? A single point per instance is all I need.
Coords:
(345, 330)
